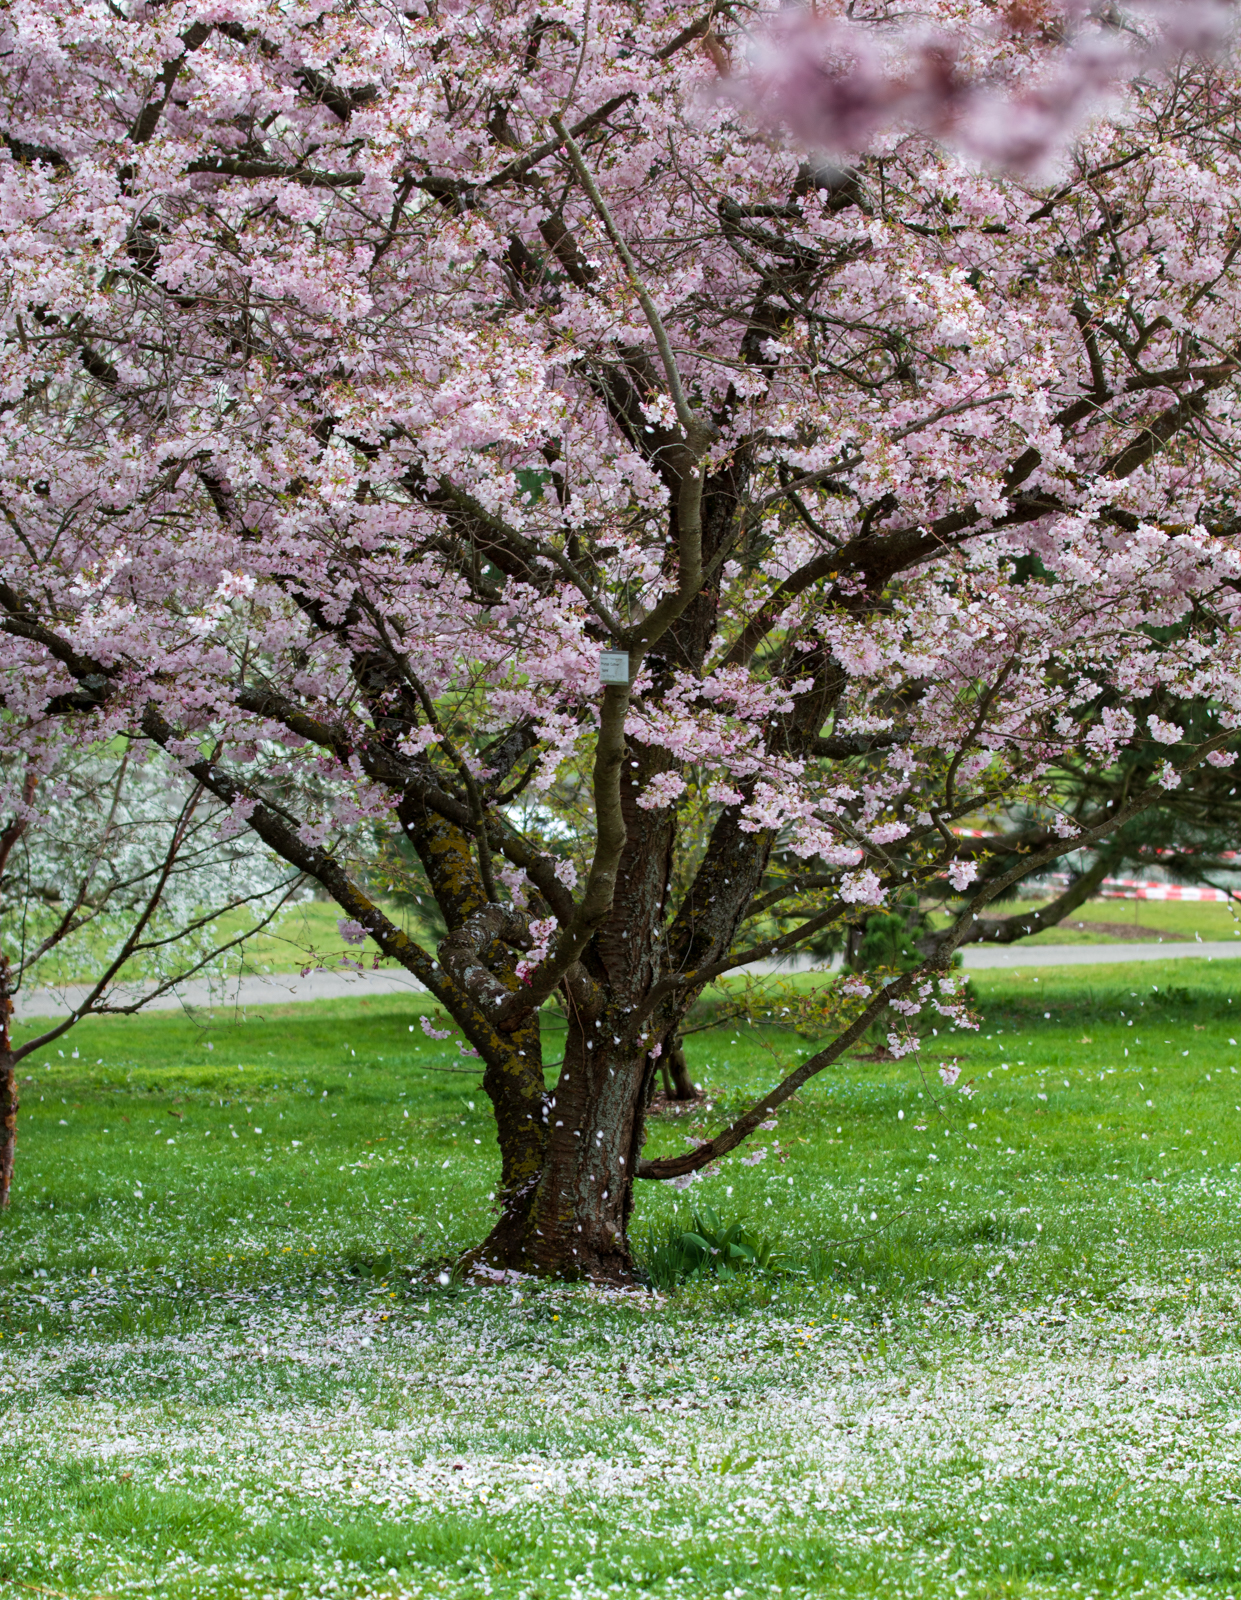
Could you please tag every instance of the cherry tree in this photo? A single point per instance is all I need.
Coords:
(492, 426)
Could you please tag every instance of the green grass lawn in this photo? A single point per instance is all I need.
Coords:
(1001, 1356)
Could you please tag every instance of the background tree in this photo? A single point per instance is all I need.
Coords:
(116, 870)
(371, 374)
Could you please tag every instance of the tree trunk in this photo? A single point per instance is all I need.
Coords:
(8, 1123)
(574, 1222)
(8, 1085)
(514, 1085)
(678, 1083)
(568, 1156)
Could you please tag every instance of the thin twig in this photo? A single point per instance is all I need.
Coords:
(694, 431)
(861, 1238)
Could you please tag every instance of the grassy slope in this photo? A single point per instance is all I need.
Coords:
(307, 934)
(1209, 920)
(227, 1370)
(309, 931)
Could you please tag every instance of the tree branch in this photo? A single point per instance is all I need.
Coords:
(1004, 930)
(961, 933)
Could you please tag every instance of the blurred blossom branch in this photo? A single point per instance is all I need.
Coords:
(1011, 88)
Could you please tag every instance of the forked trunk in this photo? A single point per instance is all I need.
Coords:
(572, 1220)
(568, 1156)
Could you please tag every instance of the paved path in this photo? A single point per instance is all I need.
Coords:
(286, 988)
(1089, 955)
(278, 990)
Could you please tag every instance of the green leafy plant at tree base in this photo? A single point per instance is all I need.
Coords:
(708, 1245)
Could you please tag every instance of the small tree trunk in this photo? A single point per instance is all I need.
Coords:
(683, 1086)
(8, 1085)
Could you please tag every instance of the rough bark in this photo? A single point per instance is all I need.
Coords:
(571, 1217)
(512, 1061)
(578, 1225)
(9, 1098)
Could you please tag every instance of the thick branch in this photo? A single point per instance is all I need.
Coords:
(740, 1130)
(1004, 930)
(461, 953)
(148, 118)
(600, 888)
(309, 859)
(961, 933)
